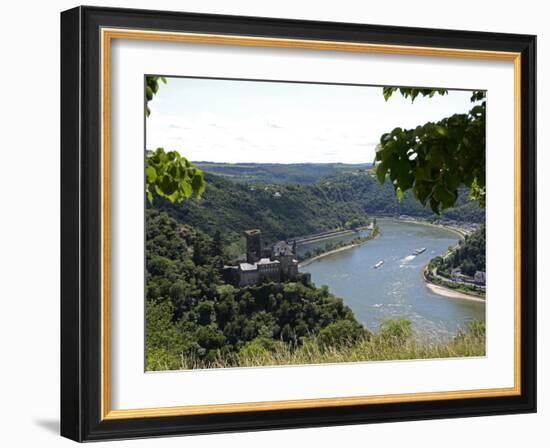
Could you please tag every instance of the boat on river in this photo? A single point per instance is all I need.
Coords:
(380, 263)
(419, 251)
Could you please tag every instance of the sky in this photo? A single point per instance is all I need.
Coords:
(273, 122)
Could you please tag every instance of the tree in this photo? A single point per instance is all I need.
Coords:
(217, 245)
(435, 159)
(169, 174)
(341, 332)
(163, 341)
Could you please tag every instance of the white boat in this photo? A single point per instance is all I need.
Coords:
(419, 251)
(380, 263)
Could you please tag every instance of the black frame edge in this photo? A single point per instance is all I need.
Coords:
(71, 384)
(80, 224)
(529, 222)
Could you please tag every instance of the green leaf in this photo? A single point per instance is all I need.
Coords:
(150, 174)
(441, 130)
(452, 179)
(381, 173)
(445, 197)
(434, 205)
(186, 188)
(399, 193)
(167, 185)
(388, 91)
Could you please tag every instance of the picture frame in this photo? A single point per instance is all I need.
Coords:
(87, 35)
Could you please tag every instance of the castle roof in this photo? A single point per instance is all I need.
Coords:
(252, 232)
(267, 261)
(248, 267)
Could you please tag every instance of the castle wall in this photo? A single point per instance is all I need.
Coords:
(249, 277)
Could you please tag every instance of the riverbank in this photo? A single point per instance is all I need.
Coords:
(447, 291)
(329, 235)
(424, 222)
(451, 293)
(337, 250)
(445, 287)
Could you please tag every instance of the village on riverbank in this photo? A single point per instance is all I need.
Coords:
(457, 285)
(444, 276)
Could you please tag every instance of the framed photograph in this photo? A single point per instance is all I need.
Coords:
(273, 223)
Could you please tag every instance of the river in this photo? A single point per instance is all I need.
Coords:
(395, 289)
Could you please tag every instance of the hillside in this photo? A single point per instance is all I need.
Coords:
(288, 210)
(469, 256)
(192, 314)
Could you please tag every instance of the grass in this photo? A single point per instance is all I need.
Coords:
(394, 341)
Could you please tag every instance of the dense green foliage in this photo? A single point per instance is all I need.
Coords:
(191, 313)
(338, 342)
(278, 173)
(469, 256)
(290, 210)
(435, 159)
(172, 176)
(412, 93)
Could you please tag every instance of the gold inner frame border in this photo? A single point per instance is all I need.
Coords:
(107, 35)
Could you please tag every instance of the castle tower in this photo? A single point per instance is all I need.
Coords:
(253, 245)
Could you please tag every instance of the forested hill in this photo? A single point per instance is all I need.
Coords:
(193, 318)
(280, 212)
(278, 173)
(469, 256)
(287, 210)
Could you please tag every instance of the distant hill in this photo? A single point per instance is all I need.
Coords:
(278, 173)
(289, 210)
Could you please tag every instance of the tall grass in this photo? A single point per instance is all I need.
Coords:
(394, 341)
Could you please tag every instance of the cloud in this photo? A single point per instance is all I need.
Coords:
(282, 128)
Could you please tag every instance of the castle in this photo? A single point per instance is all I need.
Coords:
(275, 264)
